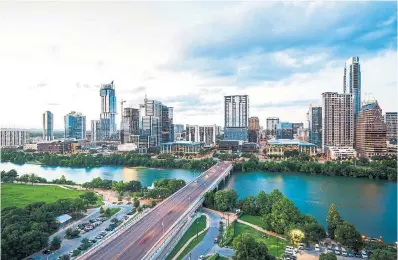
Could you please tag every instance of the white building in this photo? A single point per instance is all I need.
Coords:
(334, 152)
(201, 134)
(337, 120)
(13, 137)
(127, 147)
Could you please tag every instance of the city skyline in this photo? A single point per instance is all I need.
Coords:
(61, 68)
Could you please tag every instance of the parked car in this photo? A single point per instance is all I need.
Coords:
(47, 252)
(301, 246)
(343, 252)
(364, 254)
(201, 257)
(316, 247)
(129, 203)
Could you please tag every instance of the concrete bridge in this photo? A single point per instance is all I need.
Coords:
(154, 234)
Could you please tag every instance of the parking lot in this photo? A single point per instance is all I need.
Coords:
(88, 230)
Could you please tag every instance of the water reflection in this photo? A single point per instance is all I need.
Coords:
(130, 174)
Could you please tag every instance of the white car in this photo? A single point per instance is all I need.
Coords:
(201, 257)
(343, 251)
(364, 254)
(316, 247)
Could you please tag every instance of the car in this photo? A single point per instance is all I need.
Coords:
(120, 203)
(343, 252)
(114, 202)
(350, 254)
(103, 233)
(129, 203)
(201, 257)
(358, 255)
(47, 252)
(337, 251)
(316, 247)
(364, 254)
(126, 217)
(301, 246)
(216, 240)
(93, 241)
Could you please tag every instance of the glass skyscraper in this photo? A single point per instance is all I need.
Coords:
(75, 125)
(108, 111)
(48, 126)
(352, 83)
(315, 125)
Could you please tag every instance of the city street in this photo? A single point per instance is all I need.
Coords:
(68, 245)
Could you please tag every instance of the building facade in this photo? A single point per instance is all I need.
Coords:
(108, 111)
(352, 83)
(337, 120)
(279, 147)
(75, 125)
(201, 134)
(236, 134)
(236, 110)
(167, 123)
(391, 123)
(130, 124)
(272, 123)
(315, 125)
(254, 123)
(284, 130)
(95, 130)
(13, 137)
(371, 131)
(48, 126)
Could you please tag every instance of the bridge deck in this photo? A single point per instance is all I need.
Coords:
(134, 242)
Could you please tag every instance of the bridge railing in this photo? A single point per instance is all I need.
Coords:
(154, 252)
(134, 220)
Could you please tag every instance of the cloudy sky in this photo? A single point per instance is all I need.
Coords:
(54, 56)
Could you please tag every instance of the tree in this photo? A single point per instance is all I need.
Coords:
(262, 202)
(108, 212)
(119, 198)
(102, 211)
(55, 243)
(85, 243)
(249, 206)
(128, 198)
(76, 252)
(315, 232)
(347, 235)
(283, 214)
(225, 200)
(119, 187)
(32, 178)
(333, 219)
(153, 203)
(209, 200)
(139, 209)
(89, 198)
(68, 233)
(247, 247)
(327, 256)
(296, 236)
(114, 220)
(379, 254)
(136, 203)
(62, 180)
(133, 186)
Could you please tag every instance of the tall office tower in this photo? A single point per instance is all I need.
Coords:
(272, 122)
(254, 123)
(284, 130)
(167, 121)
(371, 131)
(108, 111)
(352, 83)
(337, 120)
(130, 124)
(391, 122)
(178, 132)
(95, 130)
(296, 126)
(151, 128)
(254, 129)
(75, 125)
(13, 137)
(236, 117)
(48, 126)
(201, 134)
(315, 125)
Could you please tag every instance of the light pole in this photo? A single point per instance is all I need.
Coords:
(197, 223)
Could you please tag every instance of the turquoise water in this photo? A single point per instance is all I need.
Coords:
(370, 205)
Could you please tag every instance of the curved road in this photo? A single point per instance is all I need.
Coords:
(135, 242)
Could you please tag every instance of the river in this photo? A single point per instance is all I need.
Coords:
(369, 204)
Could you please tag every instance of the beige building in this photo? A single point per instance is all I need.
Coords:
(371, 131)
(13, 137)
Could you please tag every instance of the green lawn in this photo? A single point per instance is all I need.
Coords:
(20, 195)
(276, 246)
(198, 225)
(255, 220)
(192, 245)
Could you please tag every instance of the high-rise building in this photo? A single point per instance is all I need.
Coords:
(167, 122)
(13, 137)
(272, 122)
(337, 120)
(130, 124)
(254, 129)
(236, 111)
(95, 130)
(295, 127)
(254, 123)
(352, 83)
(391, 122)
(75, 125)
(201, 134)
(48, 126)
(108, 111)
(284, 130)
(236, 115)
(315, 125)
(371, 131)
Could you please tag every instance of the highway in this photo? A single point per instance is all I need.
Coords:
(143, 235)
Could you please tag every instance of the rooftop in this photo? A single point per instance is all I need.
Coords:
(289, 142)
(63, 218)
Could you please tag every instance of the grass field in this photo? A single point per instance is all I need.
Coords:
(276, 246)
(20, 195)
(255, 220)
(192, 245)
(198, 225)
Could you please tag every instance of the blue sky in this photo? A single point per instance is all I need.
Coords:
(189, 55)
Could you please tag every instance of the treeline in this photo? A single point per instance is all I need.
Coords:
(25, 231)
(12, 176)
(382, 169)
(87, 160)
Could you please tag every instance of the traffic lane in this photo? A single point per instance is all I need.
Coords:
(113, 248)
(137, 251)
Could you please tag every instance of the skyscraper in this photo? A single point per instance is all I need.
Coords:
(201, 133)
(129, 124)
(48, 126)
(352, 83)
(167, 121)
(95, 130)
(371, 131)
(236, 115)
(391, 122)
(108, 111)
(337, 120)
(315, 125)
(254, 129)
(75, 125)
(272, 122)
